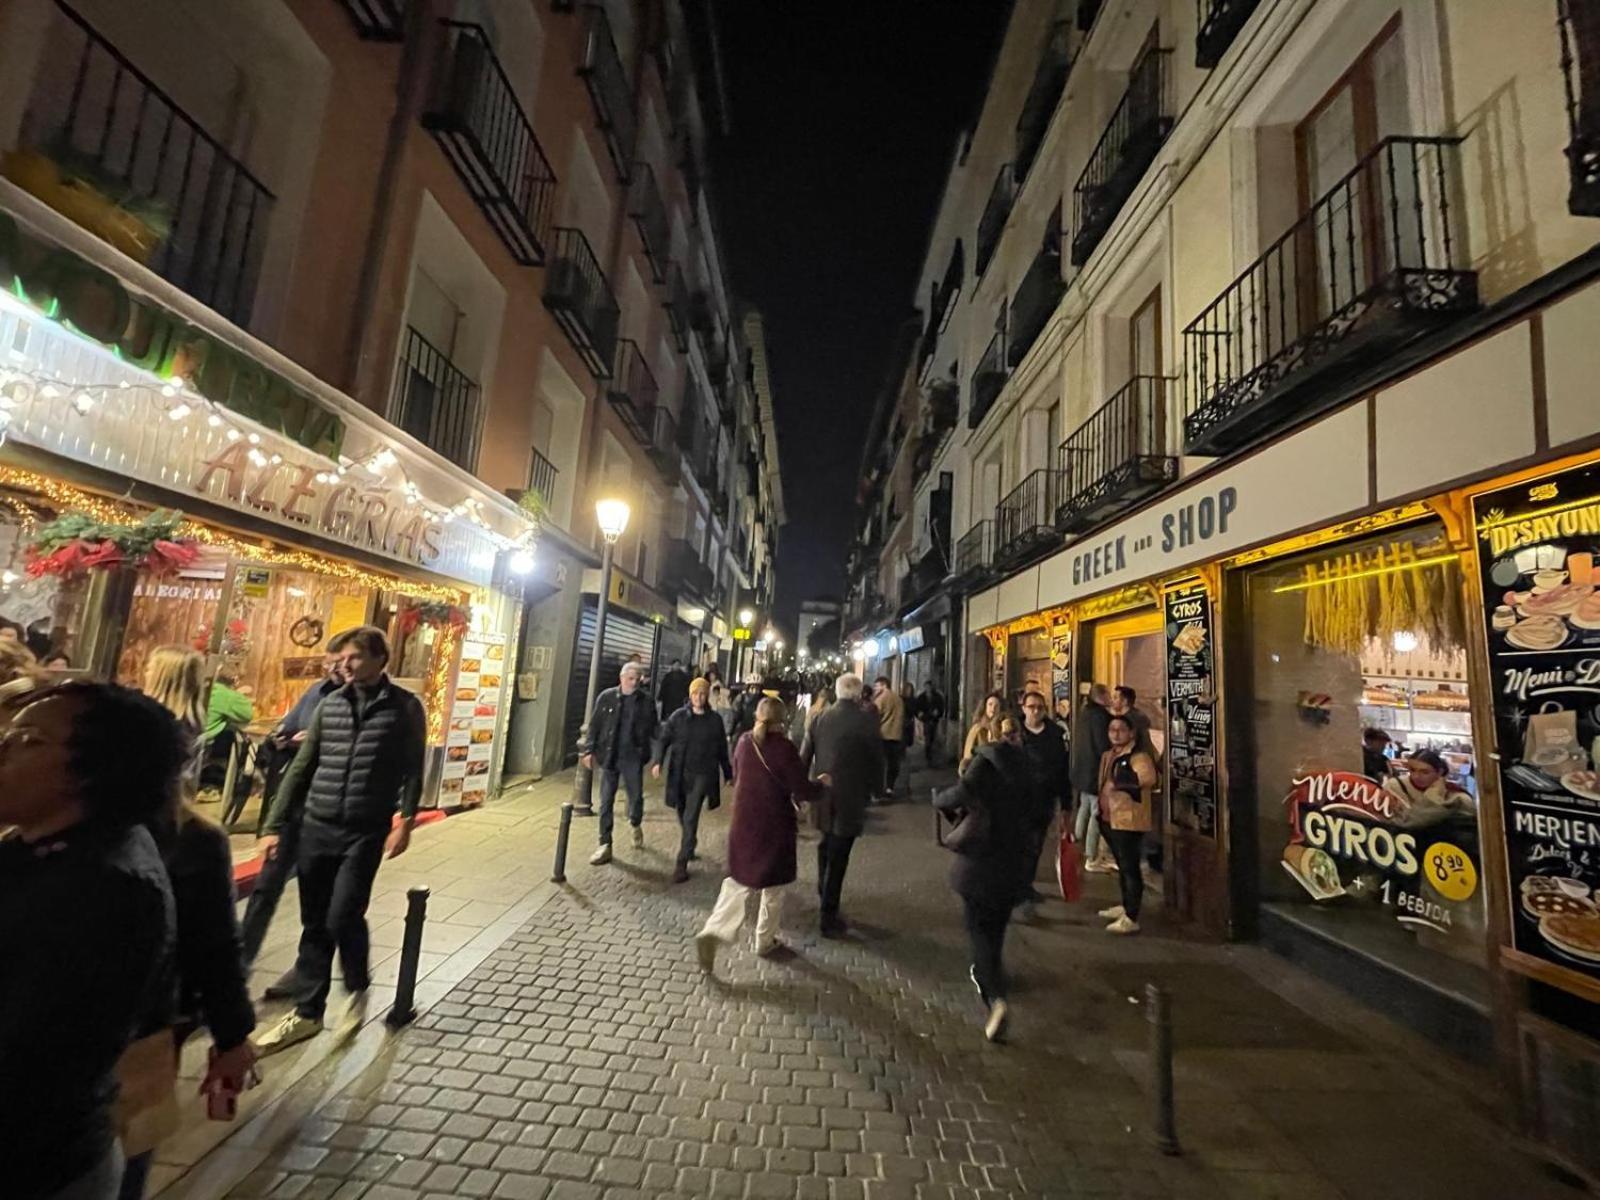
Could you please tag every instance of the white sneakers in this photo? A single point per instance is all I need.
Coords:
(601, 855)
(1123, 924)
(1100, 866)
(354, 1015)
(638, 837)
(999, 1018)
(1110, 914)
(290, 1031)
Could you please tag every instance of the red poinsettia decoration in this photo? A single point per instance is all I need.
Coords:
(74, 543)
(438, 615)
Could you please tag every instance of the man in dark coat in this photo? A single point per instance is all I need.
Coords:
(1090, 741)
(361, 763)
(621, 730)
(1049, 785)
(846, 745)
(694, 748)
(930, 712)
(673, 690)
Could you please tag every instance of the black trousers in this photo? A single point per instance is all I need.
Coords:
(274, 877)
(894, 753)
(833, 859)
(1127, 847)
(986, 932)
(336, 868)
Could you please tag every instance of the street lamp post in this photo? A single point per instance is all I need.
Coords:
(613, 518)
(746, 619)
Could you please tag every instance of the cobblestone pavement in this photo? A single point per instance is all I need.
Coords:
(588, 1057)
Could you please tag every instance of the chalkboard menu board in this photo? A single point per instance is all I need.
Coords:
(1191, 711)
(1537, 548)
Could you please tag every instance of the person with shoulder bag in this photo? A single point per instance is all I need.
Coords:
(1127, 778)
(991, 841)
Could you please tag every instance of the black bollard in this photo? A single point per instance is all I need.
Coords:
(1164, 1121)
(558, 873)
(405, 993)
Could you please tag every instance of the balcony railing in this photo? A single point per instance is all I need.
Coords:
(109, 149)
(685, 575)
(650, 219)
(1025, 521)
(993, 221)
(482, 129)
(609, 90)
(975, 553)
(1138, 126)
(1122, 453)
(577, 294)
(1219, 23)
(1373, 264)
(988, 379)
(542, 476)
(677, 306)
(1049, 81)
(632, 390)
(1035, 302)
(663, 449)
(378, 20)
(1580, 68)
(433, 401)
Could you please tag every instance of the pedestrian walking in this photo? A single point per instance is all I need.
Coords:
(1127, 775)
(891, 726)
(1125, 703)
(985, 727)
(844, 748)
(930, 714)
(673, 690)
(174, 677)
(1048, 787)
(744, 708)
(694, 748)
(87, 926)
(274, 876)
(769, 781)
(621, 731)
(722, 705)
(993, 843)
(360, 764)
(821, 702)
(1089, 744)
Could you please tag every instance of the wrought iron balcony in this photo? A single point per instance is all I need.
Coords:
(1138, 126)
(433, 401)
(1025, 521)
(988, 379)
(686, 576)
(1580, 68)
(927, 573)
(975, 554)
(1121, 454)
(1376, 262)
(609, 89)
(104, 145)
(677, 306)
(1220, 22)
(1035, 301)
(663, 449)
(650, 219)
(632, 391)
(542, 476)
(482, 129)
(1049, 81)
(577, 294)
(992, 223)
(378, 20)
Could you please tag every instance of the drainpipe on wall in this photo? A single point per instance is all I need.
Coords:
(362, 364)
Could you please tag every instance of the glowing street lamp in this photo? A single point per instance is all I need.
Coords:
(612, 516)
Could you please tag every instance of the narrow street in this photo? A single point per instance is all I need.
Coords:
(584, 1055)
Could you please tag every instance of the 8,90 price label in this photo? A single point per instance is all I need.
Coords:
(1449, 870)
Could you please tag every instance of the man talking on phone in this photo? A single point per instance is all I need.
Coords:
(361, 762)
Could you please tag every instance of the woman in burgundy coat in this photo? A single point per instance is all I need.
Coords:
(767, 781)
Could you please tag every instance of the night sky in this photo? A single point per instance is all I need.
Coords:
(844, 119)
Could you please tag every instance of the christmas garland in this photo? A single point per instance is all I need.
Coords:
(435, 613)
(75, 543)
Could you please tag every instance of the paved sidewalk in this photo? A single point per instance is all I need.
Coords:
(585, 1056)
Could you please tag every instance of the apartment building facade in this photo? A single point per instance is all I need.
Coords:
(477, 234)
(1269, 330)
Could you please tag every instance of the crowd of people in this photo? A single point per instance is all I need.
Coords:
(117, 902)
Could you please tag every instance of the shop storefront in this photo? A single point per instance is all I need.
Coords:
(635, 617)
(166, 481)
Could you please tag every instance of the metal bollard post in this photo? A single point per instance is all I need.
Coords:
(558, 873)
(1164, 1121)
(405, 994)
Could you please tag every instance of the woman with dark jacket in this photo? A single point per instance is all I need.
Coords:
(768, 782)
(694, 746)
(992, 842)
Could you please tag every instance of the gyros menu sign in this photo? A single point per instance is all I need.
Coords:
(1537, 548)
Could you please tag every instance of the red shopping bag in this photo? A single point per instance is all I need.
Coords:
(1069, 868)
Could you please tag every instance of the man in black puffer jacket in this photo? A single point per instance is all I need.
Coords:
(360, 763)
(620, 733)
